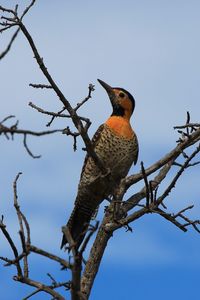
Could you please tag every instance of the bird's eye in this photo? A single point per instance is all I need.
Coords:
(122, 95)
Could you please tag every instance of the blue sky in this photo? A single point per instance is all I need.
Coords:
(150, 48)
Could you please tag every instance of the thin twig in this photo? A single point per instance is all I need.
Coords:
(51, 113)
(92, 230)
(75, 118)
(170, 218)
(13, 247)
(67, 131)
(132, 201)
(14, 130)
(69, 239)
(40, 86)
(7, 118)
(91, 89)
(20, 220)
(172, 155)
(177, 176)
(27, 148)
(187, 125)
(64, 263)
(32, 294)
(146, 183)
(3, 53)
(182, 211)
(58, 114)
(40, 286)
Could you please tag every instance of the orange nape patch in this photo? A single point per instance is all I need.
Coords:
(120, 126)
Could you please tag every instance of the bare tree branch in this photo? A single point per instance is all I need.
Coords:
(62, 262)
(146, 184)
(187, 125)
(27, 248)
(120, 212)
(90, 90)
(75, 118)
(21, 219)
(40, 286)
(177, 176)
(96, 254)
(40, 86)
(12, 246)
(12, 130)
(7, 49)
(58, 114)
(3, 53)
(173, 154)
(28, 150)
(109, 225)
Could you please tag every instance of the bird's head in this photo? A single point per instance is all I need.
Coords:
(122, 101)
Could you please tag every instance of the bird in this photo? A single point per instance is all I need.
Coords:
(116, 145)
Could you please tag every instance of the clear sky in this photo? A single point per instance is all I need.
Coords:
(150, 48)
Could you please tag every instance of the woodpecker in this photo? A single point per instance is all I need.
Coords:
(116, 145)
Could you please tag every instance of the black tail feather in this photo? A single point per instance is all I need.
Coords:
(77, 225)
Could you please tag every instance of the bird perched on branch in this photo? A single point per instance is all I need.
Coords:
(116, 145)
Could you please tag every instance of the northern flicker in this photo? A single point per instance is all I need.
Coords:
(116, 145)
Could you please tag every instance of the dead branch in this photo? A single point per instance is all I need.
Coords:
(64, 264)
(27, 248)
(192, 125)
(13, 247)
(58, 114)
(67, 131)
(172, 155)
(21, 219)
(96, 254)
(76, 266)
(40, 86)
(90, 90)
(7, 49)
(109, 225)
(28, 150)
(146, 184)
(76, 292)
(17, 21)
(13, 130)
(129, 210)
(133, 201)
(3, 53)
(91, 231)
(170, 218)
(177, 176)
(40, 287)
(50, 113)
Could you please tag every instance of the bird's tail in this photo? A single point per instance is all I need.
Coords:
(77, 225)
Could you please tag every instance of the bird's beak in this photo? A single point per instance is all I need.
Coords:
(108, 89)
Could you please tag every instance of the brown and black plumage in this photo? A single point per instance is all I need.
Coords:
(116, 145)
